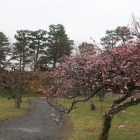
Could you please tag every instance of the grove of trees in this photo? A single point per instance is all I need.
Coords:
(31, 50)
(4, 49)
(112, 70)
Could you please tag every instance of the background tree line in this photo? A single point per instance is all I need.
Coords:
(33, 48)
(47, 48)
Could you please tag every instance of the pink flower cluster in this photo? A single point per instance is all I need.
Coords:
(115, 71)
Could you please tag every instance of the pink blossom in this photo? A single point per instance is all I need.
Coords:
(52, 115)
(121, 126)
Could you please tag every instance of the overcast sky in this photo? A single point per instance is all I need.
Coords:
(82, 18)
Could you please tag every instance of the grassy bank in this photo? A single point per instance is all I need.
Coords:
(84, 124)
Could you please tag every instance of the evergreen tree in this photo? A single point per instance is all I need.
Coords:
(21, 49)
(37, 45)
(4, 48)
(110, 39)
(115, 37)
(124, 34)
(58, 44)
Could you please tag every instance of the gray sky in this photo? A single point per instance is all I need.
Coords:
(82, 18)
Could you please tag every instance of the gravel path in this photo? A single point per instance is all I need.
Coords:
(35, 125)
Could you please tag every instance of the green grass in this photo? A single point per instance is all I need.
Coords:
(8, 110)
(7, 107)
(84, 124)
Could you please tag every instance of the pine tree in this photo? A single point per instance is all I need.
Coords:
(4, 48)
(58, 44)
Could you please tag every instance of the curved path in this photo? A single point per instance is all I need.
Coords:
(35, 125)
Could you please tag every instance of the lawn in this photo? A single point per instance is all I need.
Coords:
(7, 107)
(84, 124)
(8, 111)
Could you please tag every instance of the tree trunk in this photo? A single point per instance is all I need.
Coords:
(20, 62)
(106, 127)
(17, 103)
(20, 99)
(23, 67)
(36, 55)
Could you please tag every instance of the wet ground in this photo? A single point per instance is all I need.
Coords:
(35, 125)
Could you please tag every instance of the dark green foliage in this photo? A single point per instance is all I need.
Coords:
(4, 48)
(110, 40)
(124, 34)
(21, 50)
(119, 36)
(35, 48)
(29, 47)
(37, 45)
(58, 44)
